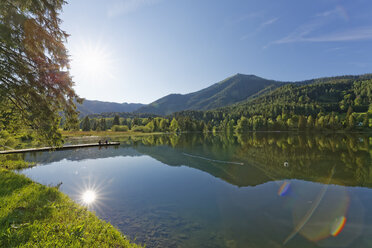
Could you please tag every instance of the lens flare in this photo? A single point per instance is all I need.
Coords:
(89, 197)
(284, 188)
(319, 216)
(338, 225)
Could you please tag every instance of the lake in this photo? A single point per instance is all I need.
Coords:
(215, 190)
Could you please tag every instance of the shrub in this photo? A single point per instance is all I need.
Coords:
(143, 129)
(119, 128)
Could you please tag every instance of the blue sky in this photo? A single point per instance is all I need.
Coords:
(141, 50)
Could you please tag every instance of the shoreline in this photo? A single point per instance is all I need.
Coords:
(36, 215)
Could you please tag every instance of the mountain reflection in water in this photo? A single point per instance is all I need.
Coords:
(266, 189)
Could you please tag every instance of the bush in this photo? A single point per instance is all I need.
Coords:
(143, 129)
(119, 128)
(7, 140)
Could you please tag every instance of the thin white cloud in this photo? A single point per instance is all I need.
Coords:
(339, 11)
(268, 23)
(298, 34)
(357, 34)
(249, 16)
(309, 32)
(262, 26)
(361, 64)
(334, 49)
(327, 13)
(121, 7)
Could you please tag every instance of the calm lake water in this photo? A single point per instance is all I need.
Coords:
(254, 190)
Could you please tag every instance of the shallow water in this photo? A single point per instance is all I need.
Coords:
(254, 190)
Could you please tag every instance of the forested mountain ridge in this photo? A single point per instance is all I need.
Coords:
(338, 103)
(89, 107)
(330, 103)
(235, 94)
(335, 94)
(229, 91)
(335, 78)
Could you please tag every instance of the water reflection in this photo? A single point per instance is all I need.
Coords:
(88, 197)
(255, 190)
(311, 157)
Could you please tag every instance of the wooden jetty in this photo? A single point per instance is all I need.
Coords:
(42, 149)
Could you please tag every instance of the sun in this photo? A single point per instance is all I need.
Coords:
(92, 61)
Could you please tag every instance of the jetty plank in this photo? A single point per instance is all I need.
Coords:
(49, 148)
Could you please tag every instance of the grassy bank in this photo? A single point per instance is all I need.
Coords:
(33, 215)
(68, 134)
(78, 137)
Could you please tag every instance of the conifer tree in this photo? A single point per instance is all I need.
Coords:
(102, 124)
(34, 80)
(116, 120)
(85, 125)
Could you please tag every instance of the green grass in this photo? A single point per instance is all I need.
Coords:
(67, 134)
(33, 215)
(15, 164)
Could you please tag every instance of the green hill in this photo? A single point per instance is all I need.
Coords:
(97, 107)
(335, 94)
(335, 103)
(229, 91)
(311, 97)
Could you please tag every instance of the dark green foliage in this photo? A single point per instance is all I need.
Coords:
(349, 111)
(311, 99)
(301, 122)
(102, 125)
(116, 120)
(351, 122)
(35, 87)
(310, 156)
(85, 124)
(72, 124)
(238, 88)
(328, 104)
(94, 124)
(243, 125)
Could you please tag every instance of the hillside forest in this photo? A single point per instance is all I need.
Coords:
(336, 104)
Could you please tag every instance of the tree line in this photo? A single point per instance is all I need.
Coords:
(225, 123)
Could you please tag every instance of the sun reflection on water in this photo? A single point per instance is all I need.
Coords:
(92, 193)
(89, 197)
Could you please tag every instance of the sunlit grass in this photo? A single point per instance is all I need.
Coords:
(33, 215)
(104, 133)
(15, 164)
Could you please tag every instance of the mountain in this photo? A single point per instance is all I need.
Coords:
(96, 107)
(334, 94)
(229, 91)
(325, 96)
